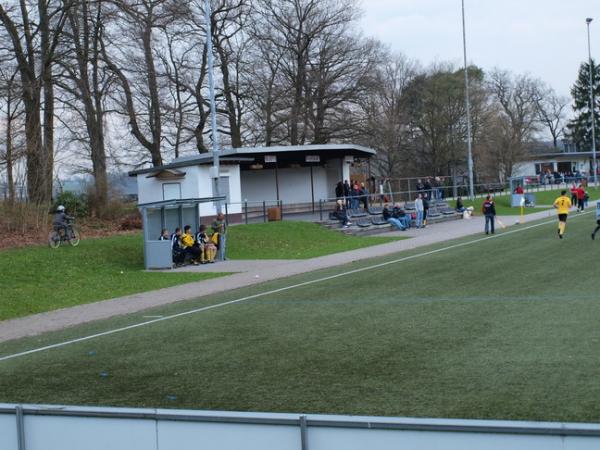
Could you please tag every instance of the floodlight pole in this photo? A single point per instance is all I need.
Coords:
(214, 170)
(468, 108)
(592, 104)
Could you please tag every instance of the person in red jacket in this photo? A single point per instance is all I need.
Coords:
(580, 198)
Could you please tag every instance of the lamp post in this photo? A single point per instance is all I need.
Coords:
(594, 168)
(468, 108)
(214, 170)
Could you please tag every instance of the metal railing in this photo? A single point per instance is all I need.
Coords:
(73, 428)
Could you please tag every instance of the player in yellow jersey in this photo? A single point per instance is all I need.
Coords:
(563, 205)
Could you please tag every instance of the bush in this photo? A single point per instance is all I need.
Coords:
(75, 204)
(132, 221)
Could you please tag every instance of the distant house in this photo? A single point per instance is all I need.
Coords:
(564, 159)
(292, 174)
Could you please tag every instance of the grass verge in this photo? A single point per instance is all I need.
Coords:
(38, 279)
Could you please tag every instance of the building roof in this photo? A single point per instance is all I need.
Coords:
(248, 155)
(567, 155)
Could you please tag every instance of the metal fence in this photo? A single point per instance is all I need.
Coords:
(31, 427)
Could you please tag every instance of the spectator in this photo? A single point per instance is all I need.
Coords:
(387, 216)
(355, 196)
(519, 189)
(339, 190)
(580, 198)
(427, 189)
(400, 214)
(176, 248)
(420, 186)
(459, 205)
(425, 209)
(187, 242)
(340, 213)
(207, 248)
(364, 195)
(573, 191)
(419, 211)
(164, 235)
(220, 227)
(489, 211)
(347, 193)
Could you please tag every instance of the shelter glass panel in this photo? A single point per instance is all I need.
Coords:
(154, 224)
(172, 219)
(189, 217)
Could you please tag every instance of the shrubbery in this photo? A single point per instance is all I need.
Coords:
(76, 204)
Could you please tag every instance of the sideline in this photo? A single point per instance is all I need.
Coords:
(275, 291)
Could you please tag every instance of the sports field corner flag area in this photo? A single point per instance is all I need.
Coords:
(482, 327)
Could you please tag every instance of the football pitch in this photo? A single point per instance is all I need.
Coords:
(498, 327)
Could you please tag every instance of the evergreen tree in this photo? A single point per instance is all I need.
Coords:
(579, 128)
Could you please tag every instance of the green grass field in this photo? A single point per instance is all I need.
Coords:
(38, 279)
(500, 328)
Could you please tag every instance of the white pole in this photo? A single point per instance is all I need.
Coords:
(213, 108)
(592, 104)
(468, 108)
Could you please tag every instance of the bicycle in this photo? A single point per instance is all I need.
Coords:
(65, 233)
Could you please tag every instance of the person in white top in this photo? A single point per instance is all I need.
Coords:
(419, 209)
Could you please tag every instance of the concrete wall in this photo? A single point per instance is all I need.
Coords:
(75, 428)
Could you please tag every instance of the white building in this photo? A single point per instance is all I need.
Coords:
(291, 174)
(560, 162)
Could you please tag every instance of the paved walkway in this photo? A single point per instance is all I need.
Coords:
(247, 273)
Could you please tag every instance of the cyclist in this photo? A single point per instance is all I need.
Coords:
(61, 220)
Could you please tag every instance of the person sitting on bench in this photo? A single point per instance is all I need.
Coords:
(400, 214)
(340, 213)
(178, 252)
(187, 242)
(387, 215)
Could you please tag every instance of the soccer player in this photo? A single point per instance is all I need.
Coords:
(563, 205)
(597, 221)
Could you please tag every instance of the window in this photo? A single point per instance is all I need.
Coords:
(171, 191)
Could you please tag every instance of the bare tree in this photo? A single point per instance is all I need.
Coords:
(132, 60)
(85, 83)
(516, 114)
(12, 111)
(386, 121)
(34, 35)
(552, 111)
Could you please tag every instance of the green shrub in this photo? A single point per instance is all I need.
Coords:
(75, 204)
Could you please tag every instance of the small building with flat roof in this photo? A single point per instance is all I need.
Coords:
(290, 174)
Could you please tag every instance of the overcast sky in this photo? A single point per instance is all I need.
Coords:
(544, 38)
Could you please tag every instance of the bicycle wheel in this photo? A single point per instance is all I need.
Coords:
(53, 239)
(74, 237)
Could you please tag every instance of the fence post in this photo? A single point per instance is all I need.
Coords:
(226, 216)
(281, 208)
(303, 433)
(321, 210)
(20, 428)
(246, 211)
(264, 211)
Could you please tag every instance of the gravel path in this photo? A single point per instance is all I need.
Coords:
(247, 273)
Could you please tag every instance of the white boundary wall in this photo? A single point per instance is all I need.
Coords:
(29, 427)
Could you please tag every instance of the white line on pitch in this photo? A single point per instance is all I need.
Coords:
(273, 291)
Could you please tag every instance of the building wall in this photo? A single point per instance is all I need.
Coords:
(294, 185)
(151, 189)
(195, 184)
(527, 168)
